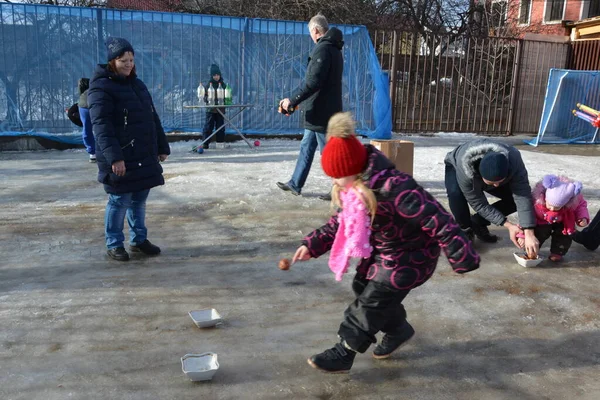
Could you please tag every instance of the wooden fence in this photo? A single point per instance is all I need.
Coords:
(493, 86)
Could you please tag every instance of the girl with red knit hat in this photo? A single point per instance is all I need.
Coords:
(398, 231)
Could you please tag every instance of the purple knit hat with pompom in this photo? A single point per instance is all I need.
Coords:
(559, 192)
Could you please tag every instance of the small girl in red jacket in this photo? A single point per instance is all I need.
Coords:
(397, 230)
(559, 206)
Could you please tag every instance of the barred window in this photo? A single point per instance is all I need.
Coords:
(554, 10)
(499, 9)
(593, 9)
(524, 11)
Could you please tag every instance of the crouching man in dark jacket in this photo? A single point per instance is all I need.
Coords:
(483, 166)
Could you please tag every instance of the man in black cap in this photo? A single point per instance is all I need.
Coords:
(482, 166)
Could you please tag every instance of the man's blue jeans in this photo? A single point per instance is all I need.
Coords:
(132, 205)
(308, 146)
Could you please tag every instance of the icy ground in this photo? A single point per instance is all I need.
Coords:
(77, 325)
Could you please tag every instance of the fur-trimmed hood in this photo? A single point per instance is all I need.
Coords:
(473, 155)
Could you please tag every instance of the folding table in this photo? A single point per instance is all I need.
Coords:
(226, 121)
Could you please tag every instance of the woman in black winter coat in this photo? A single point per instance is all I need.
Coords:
(130, 144)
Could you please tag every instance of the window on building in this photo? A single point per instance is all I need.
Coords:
(593, 9)
(524, 11)
(554, 10)
(499, 9)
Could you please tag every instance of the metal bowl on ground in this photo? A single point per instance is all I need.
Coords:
(524, 262)
(200, 367)
(205, 318)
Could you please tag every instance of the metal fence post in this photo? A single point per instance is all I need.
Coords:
(393, 76)
(514, 88)
(100, 36)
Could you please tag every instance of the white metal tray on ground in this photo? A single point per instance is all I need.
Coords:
(527, 263)
(200, 367)
(205, 318)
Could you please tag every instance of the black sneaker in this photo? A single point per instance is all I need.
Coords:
(325, 197)
(287, 188)
(483, 234)
(337, 360)
(145, 247)
(205, 146)
(118, 253)
(391, 343)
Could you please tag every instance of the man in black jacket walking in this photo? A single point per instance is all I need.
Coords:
(321, 96)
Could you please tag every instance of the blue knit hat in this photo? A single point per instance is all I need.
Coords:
(116, 47)
(493, 167)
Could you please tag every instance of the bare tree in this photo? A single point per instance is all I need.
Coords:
(73, 3)
(362, 12)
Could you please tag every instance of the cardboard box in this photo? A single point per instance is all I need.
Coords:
(400, 152)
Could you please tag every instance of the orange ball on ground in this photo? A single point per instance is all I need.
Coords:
(284, 264)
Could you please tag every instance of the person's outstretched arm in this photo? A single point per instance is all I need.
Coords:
(320, 240)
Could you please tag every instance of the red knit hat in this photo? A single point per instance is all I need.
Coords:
(344, 155)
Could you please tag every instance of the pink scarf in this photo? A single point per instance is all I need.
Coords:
(352, 236)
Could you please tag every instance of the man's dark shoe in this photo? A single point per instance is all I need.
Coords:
(287, 188)
(337, 360)
(391, 343)
(145, 247)
(325, 197)
(118, 253)
(583, 239)
(205, 146)
(483, 234)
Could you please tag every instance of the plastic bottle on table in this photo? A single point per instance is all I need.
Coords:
(210, 95)
(228, 95)
(220, 94)
(201, 92)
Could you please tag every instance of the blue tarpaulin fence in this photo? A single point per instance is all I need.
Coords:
(46, 49)
(566, 88)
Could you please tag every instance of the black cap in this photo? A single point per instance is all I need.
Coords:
(116, 47)
(494, 167)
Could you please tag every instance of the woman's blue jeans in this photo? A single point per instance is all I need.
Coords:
(132, 205)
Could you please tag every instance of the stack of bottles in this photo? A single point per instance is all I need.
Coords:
(212, 96)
